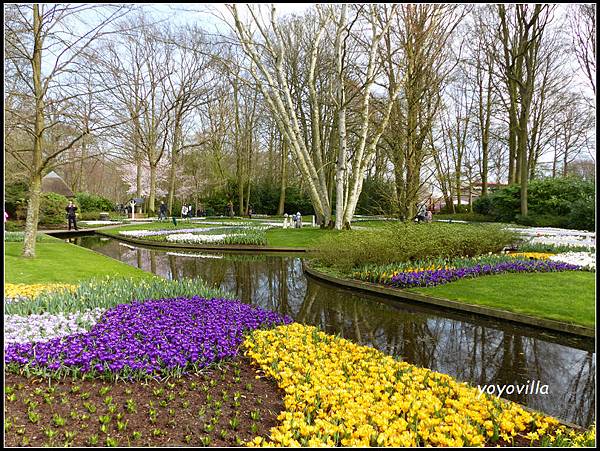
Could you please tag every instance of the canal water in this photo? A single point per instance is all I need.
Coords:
(465, 346)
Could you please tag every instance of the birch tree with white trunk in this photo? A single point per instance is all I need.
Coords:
(264, 42)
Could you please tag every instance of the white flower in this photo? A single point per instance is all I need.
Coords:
(33, 328)
(584, 259)
(191, 238)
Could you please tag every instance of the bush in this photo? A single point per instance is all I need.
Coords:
(92, 203)
(15, 196)
(582, 214)
(560, 202)
(404, 242)
(52, 208)
(14, 226)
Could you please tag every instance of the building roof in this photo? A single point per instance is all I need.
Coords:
(53, 183)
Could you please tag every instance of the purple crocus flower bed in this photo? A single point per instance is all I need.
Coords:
(432, 278)
(150, 337)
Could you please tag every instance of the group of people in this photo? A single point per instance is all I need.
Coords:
(187, 211)
(296, 218)
(423, 214)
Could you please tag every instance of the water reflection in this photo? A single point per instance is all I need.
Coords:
(465, 346)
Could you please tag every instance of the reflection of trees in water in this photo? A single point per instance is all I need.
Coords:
(367, 321)
(580, 403)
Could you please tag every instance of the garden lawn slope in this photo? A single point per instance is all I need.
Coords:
(57, 261)
(565, 296)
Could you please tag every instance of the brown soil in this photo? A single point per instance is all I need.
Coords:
(195, 410)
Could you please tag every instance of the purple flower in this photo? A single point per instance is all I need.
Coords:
(431, 278)
(151, 336)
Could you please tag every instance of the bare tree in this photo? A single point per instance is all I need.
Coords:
(583, 24)
(418, 70)
(271, 78)
(40, 38)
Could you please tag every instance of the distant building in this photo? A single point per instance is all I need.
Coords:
(53, 183)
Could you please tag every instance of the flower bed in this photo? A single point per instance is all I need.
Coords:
(151, 233)
(443, 276)
(151, 337)
(557, 237)
(385, 273)
(34, 328)
(20, 291)
(586, 260)
(342, 394)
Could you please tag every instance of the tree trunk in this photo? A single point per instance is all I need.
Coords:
(173, 169)
(35, 189)
(152, 197)
(281, 207)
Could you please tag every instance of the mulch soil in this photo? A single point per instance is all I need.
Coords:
(224, 405)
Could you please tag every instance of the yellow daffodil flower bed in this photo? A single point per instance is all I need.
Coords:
(342, 394)
(20, 290)
(532, 255)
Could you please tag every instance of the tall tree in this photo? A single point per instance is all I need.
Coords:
(269, 73)
(40, 39)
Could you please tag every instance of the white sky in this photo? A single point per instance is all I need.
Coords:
(206, 13)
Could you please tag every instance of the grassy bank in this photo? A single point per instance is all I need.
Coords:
(60, 262)
(566, 296)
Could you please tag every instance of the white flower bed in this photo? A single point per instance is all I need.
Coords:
(145, 233)
(196, 238)
(33, 328)
(558, 237)
(584, 259)
(99, 222)
(177, 254)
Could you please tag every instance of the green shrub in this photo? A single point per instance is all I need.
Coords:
(93, 203)
(552, 202)
(52, 208)
(582, 214)
(14, 226)
(542, 220)
(483, 205)
(405, 242)
(15, 196)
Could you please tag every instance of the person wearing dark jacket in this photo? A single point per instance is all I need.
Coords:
(71, 209)
(162, 211)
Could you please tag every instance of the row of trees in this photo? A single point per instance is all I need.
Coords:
(418, 97)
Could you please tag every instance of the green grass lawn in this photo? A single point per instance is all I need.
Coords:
(563, 296)
(60, 262)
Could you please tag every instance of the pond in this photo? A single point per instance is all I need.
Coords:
(468, 347)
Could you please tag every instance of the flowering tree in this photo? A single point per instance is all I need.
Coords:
(183, 190)
(129, 176)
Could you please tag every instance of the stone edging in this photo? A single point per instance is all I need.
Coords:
(398, 293)
(219, 247)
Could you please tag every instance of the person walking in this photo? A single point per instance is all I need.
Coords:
(230, 206)
(162, 211)
(190, 211)
(71, 215)
(184, 211)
